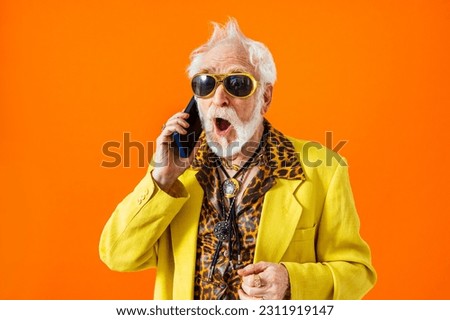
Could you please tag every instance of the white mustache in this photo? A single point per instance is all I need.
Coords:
(228, 114)
(244, 130)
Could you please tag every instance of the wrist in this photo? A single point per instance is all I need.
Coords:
(164, 182)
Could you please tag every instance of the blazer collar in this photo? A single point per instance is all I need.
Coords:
(278, 155)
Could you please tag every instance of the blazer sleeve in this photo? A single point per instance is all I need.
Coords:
(129, 241)
(343, 269)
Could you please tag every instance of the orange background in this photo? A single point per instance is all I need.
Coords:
(77, 74)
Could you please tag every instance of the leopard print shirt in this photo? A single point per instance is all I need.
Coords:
(278, 160)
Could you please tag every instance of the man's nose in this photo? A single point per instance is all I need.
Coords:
(221, 97)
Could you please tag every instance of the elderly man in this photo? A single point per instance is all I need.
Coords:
(245, 216)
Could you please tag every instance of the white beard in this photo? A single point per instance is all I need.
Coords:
(244, 130)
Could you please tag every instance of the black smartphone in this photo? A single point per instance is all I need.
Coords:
(185, 143)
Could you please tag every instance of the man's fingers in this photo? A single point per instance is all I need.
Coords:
(183, 115)
(253, 291)
(245, 296)
(254, 280)
(248, 270)
(253, 268)
(177, 123)
(171, 128)
(265, 279)
(178, 117)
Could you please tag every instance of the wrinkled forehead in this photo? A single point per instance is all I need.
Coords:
(226, 58)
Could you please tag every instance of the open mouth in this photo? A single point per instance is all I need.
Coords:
(222, 125)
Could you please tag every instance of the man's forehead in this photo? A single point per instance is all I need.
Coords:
(232, 68)
(226, 58)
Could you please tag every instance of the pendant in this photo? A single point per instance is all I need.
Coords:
(221, 230)
(230, 187)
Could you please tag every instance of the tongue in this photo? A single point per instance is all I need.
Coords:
(222, 124)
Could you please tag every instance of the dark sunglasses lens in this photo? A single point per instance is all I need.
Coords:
(202, 85)
(238, 85)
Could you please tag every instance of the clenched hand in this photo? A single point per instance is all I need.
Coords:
(263, 281)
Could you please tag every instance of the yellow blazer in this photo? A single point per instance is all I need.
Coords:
(310, 226)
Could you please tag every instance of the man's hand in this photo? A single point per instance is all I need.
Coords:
(264, 281)
(168, 165)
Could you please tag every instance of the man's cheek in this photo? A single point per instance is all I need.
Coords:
(245, 115)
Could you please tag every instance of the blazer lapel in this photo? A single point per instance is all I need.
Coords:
(279, 218)
(184, 233)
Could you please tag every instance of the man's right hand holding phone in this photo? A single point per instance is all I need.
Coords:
(168, 165)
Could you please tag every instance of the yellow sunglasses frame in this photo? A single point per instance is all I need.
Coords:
(219, 79)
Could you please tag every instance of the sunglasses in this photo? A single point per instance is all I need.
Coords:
(240, 85)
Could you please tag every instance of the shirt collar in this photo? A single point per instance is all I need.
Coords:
(279, 155)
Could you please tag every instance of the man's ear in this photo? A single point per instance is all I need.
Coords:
(267, 98)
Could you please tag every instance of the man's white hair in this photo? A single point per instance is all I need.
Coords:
(259, 55)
